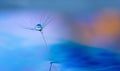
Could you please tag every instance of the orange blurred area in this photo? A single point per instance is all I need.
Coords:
(107, 24)
(104, 30)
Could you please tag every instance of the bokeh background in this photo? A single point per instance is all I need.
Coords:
(82, 36)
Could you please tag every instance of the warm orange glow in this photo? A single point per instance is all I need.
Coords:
(107, 24)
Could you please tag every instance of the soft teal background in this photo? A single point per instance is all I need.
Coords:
(24, 50)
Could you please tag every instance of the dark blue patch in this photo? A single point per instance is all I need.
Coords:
(71, 54)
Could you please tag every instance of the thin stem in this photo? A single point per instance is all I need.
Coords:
(50, 66)
(47, 49)
(44, 40)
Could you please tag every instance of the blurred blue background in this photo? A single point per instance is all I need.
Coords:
(83, 35)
